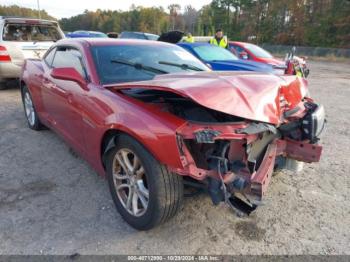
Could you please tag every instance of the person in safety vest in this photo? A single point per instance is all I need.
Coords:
(189, 38)
(219, 39)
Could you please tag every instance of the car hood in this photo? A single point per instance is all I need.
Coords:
(254, 96)
(242, 65)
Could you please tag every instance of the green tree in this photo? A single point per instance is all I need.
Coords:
(15, 10)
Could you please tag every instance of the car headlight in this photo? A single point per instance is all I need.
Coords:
(313, 122)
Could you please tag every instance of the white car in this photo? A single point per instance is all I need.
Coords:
(22, 38)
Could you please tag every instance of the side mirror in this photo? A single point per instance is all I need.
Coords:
(243, 55)
(69, 74)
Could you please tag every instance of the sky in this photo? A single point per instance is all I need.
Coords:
(68, 8)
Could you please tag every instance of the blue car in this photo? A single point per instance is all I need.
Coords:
(220, 59)
(83, 33)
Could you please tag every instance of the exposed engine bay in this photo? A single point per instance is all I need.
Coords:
(181, 106)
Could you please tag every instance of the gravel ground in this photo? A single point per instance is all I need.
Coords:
(52, 202)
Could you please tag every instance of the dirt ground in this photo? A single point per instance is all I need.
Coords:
(52, 202)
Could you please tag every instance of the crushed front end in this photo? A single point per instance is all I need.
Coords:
(236, 160)
(232, 130)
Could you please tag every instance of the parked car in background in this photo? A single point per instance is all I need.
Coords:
(83, 33)
(152, 121)
(22, 38)
(138, 35)
(220, 59)
(113, 35)
(173, 36)
(255, 53)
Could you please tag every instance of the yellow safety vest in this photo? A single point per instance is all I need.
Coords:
(189, 39)
(222, 43)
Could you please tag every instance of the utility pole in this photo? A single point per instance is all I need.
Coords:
(39, 9)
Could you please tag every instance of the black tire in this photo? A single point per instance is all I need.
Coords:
(165, 188)
(35, 123)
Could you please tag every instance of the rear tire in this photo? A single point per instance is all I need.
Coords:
(29, 110)
(159, 193)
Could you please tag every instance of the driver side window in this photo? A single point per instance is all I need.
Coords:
(69, 57)
(239, 50)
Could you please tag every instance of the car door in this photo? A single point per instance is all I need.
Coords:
(62, 97)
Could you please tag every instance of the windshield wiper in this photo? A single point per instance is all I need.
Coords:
(139, 66)
(182, 66)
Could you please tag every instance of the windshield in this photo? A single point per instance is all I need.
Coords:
(99, 35)
(125, 63)
(258, 51)
(212, 53)
(30, 32)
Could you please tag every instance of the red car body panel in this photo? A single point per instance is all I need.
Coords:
(85, 116)
(272, 61)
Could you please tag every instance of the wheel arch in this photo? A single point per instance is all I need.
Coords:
(108, 142)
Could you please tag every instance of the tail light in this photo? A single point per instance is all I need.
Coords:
(4, 55)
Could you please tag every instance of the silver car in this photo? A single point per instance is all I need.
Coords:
(22, 38)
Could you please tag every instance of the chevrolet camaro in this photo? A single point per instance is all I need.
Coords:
(151, 118)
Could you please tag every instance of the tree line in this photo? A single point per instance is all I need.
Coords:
(15, 10)
(323, 23)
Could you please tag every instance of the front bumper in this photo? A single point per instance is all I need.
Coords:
(242, 157)
(300, 151)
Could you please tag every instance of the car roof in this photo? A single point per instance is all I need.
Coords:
(137, 33)
(151, 34)
(110, 41)
(83, 33)
(86, 31)
(193, 44)
(95, 32)
(24, 19)
(132, 32)
(240, 43)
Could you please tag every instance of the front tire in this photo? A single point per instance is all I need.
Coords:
(29, 110)
(145, 193)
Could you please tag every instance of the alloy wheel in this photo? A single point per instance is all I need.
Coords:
(130, 182)
(29, 109)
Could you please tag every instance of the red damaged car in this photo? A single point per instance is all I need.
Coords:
(255, 53)
(153, 118)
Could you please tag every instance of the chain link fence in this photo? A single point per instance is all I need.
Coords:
(308, 51)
